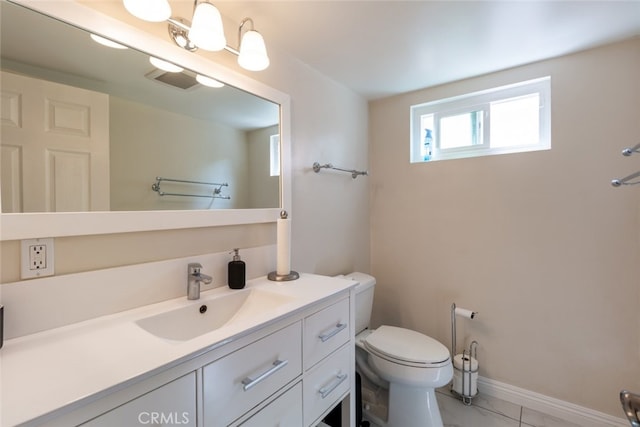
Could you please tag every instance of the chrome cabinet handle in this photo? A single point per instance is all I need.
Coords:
(326, 391)
(324, 337)
(248, 383)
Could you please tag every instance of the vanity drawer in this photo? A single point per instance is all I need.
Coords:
(285, 411)
(172, 403)
(325, 331)
(238, 382)
(326, 384)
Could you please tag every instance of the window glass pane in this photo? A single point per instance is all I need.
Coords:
(462, 130)
(274, 155)
(513, 118)
(515, 121)
(427, 136)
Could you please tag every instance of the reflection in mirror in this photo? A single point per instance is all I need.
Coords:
(90, 128)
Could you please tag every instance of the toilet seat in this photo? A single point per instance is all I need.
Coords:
(406, 347)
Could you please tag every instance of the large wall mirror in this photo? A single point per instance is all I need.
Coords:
(97, 139)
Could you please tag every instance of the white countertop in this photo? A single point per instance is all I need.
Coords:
(45, 371)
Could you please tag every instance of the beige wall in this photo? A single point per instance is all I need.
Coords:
(147, 142)
(329, 123)
(539, 243)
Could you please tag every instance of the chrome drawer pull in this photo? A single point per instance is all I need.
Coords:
(249, 383)
(326, 391)
(334, 331)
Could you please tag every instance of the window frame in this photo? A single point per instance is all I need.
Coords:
(480, 101)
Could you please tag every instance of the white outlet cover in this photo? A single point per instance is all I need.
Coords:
(25, 268)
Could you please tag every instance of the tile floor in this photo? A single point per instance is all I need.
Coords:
(490, 412)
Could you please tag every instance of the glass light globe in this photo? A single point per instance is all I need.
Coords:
(106, 42)
(164, 65)
(206, 29)
(208, 81)
(253, 52)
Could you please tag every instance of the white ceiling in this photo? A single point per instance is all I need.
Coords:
(381, 48)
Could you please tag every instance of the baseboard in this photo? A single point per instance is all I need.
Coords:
(579, 415)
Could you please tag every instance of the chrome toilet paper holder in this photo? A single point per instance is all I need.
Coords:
(468, 356)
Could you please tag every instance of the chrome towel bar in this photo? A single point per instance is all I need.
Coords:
(354, 173)
(628, 180)
(215, 194)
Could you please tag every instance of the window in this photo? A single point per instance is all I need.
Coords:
(274, 155)
(507, 119)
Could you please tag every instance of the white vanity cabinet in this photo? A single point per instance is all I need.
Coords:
(284, 411)
(328, 359)
(326, 384)
(318, 355)
(238, 382)
(325, 331)
(286, 372)
(171, 404)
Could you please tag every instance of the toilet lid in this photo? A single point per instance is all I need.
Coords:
(406, 345)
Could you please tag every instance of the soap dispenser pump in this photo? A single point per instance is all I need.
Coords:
(237, 271)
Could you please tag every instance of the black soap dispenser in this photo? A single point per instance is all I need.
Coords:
(237, 271)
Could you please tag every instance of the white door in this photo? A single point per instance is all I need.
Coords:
(55, 147)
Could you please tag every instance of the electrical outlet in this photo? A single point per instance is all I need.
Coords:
(36, 258)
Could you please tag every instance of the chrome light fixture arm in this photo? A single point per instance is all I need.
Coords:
(179, 33)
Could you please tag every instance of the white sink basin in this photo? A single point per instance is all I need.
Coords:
(210, 313)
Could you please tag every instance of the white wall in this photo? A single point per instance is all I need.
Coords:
(539, 243)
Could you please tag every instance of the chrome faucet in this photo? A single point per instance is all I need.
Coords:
(194, 279)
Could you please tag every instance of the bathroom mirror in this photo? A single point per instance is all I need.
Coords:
(222, 153)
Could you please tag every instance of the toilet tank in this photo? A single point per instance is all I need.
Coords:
(364, 299)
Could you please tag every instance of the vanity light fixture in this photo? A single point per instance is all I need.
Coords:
(164, 65)
(106, 42)
(253, 52)
(208, 81)
(179, 33)
(205, 31)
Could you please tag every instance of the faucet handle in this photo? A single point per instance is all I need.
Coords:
(194, 268)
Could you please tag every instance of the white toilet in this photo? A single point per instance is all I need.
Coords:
(408, 364)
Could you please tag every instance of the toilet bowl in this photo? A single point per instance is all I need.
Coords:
(408, 364)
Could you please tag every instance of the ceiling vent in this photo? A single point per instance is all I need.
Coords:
(181, 80)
